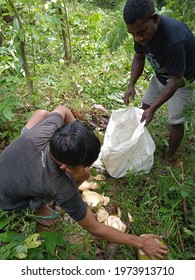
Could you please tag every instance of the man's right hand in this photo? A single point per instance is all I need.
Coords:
(153, 248)
(130, 93)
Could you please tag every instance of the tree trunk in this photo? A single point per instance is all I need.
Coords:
(23, 51)
(65, 42)
(68, 32)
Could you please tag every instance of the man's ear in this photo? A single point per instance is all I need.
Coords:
(63, 166)
(155, 17)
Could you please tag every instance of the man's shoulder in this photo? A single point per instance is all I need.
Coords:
(172, 32)
(172, 26)
(170, 21)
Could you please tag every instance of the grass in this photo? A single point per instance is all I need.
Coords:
(161, 201)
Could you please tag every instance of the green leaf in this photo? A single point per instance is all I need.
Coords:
(7, 112)
(21, 35)
(184, 194)
(3, 68)
(16, 24)
(4, 255)
(54, 237)
(16, 42)
(34, 254)
(51, 240)
(3, 222)
(5, 251)
(10, 236)
(189, 232)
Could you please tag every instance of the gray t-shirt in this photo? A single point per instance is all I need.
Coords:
(29, 178)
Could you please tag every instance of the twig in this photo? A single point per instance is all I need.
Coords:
(175, 178)
(182, 170)
(179, 233)
(184, 202)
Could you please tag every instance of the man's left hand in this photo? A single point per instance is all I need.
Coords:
(147, 115)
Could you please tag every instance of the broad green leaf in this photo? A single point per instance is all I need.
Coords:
(7, 112)
(51, 240)
(16, 24)
(184, 193)
(2, 2)
(10, 236)
(16, 42)
(4, 255)
(4, 134)
(34, 254)
(21, 35)
(5, 251)
(3, 222)
(50, 246)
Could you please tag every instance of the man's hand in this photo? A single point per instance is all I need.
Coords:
(146, 243)
(167, 92)
(148, 115)
(129, 93)
(152, 248)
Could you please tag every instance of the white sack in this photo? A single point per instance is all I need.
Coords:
(127, 144)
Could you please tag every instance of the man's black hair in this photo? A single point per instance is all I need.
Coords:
(138, 9)
(75, 144)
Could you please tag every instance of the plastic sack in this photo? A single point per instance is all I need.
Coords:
(127, 144)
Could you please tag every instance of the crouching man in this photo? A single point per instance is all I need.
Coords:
(50, 159)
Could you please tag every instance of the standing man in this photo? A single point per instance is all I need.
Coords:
(169, 46)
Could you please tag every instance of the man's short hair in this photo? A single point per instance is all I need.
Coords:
(138, 9)
(75, 144)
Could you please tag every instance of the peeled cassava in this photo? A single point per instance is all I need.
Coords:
(111, 216)
(131, 219)
(93, 199)
(102, 214)
(99, 177)
(88, 186)
(115, 222)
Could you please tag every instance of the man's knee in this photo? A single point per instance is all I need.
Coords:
(38, 116)
(179, 126)
(43, 114)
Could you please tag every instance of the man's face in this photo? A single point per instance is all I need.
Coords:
(143, 31)
(79, 173)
